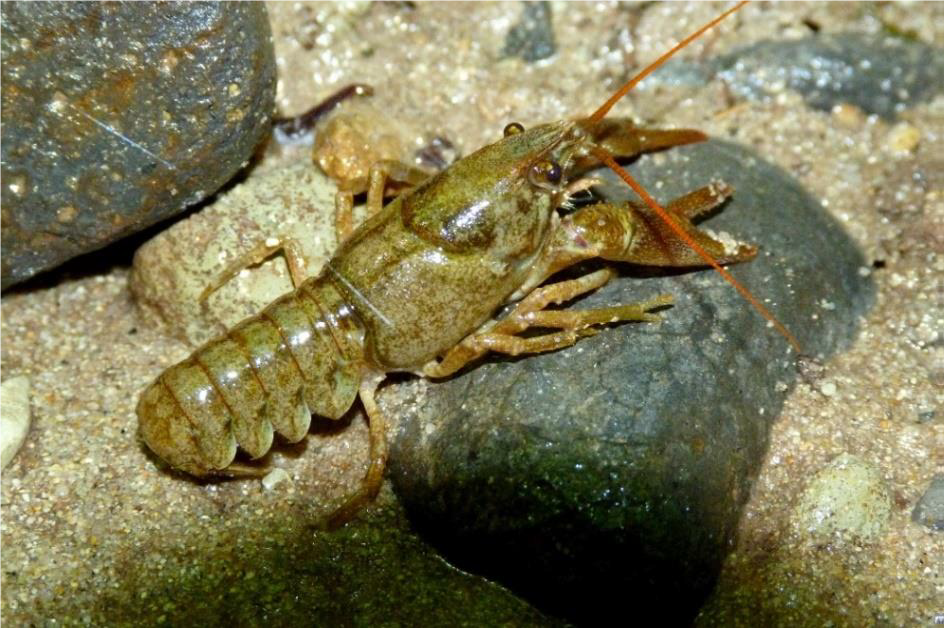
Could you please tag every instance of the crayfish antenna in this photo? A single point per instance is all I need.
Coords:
(608, 159)
(652, 67)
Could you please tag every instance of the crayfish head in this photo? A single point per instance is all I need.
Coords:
(549, 157)
(499, 199)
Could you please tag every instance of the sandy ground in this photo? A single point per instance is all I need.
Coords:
(83, 501)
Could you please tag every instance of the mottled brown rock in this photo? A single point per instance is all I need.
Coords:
(118, 115)
(174, 267)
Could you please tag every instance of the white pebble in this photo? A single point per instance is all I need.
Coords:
(14, 417)
(353, 7)
(274, 478)
(903, 138)
(828, 389)
(847, 500)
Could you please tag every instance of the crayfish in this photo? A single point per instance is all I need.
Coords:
(415, 288)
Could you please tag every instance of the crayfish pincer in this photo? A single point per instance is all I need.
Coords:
(415, 288)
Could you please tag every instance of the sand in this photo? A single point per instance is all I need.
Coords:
(83, 504)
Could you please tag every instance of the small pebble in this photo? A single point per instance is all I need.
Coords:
(846, 500)
(849, 115)
(929, 510)
(532, 38)
(353, 8)
(903, 138)
(274, 478)
(14, 417)
(828, 389)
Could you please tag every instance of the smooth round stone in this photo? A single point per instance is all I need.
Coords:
(14, 417)
(170, 274)
(929, 511)
(117, 115)
(846, 501)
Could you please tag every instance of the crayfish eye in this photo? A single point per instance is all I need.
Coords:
(546, 173)
(513, 128)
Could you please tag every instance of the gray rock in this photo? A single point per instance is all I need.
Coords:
(878, 74)
(117, 115)
(611, 475)
(929, 511)
(532, 38)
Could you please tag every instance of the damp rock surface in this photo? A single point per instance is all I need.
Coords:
(617, 469)
(118, 115)
(880, 74)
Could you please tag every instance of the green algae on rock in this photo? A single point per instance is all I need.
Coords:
(281, 571)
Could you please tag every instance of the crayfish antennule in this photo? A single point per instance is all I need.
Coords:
(652, 67)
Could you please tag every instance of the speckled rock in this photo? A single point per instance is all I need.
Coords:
(846, 501)
(878, 74)
(612, 474)
(929, 511)
(116, 115)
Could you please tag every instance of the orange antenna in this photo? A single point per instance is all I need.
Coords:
(608, 159)
(652, 67)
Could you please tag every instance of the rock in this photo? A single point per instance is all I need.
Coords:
(118, 115)
(903, 138)
(611, 475)
(532, 38)
(929, 511)
(354, 10)
(351, 142)
(846, 501)
(172, 269)
(275, 478)
(878, 74)
(14, 417)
